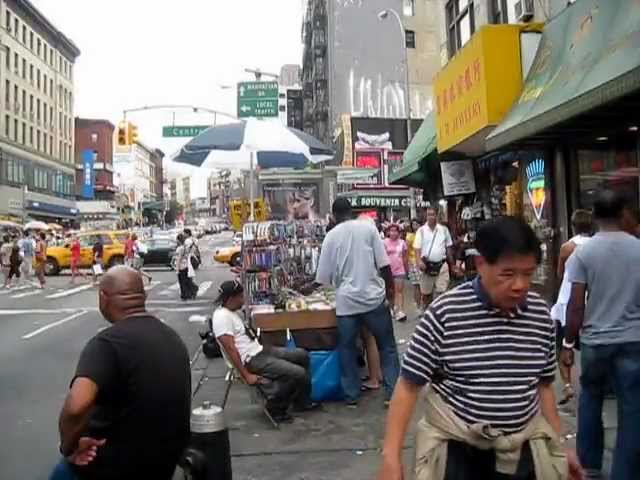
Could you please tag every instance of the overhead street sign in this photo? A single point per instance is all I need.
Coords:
(183, 130)
(257, 99)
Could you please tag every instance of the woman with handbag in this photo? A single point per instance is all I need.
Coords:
(97, 267)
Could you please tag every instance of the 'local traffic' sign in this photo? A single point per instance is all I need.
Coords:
(257, 99)
(183, 130)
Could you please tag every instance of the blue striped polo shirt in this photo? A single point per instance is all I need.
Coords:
(485, 364)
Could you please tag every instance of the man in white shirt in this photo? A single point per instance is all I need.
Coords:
(434, 251)
(353, 259)
(287, 368)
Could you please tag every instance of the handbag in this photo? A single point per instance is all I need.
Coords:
(97, 269)
(432, 268)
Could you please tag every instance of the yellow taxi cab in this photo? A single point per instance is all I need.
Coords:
(59, 257)
(230, 255)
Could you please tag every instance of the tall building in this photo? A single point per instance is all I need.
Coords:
(135, 173)
(36, 115)
(354, 61)
(94, 159)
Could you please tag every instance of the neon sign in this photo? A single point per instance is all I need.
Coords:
(536, 186)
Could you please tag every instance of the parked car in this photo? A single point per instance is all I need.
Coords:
(59, 257)
(229, 255)
(160, 252)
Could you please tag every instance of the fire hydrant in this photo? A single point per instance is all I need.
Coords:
(208, 456)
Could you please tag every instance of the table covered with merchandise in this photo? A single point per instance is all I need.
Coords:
(279, 259)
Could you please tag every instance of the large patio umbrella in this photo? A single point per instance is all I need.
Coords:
(240, 144)
(36, 225)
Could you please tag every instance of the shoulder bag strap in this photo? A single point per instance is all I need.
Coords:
(433, 239)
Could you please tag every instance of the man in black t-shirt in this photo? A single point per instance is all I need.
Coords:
(127, 412)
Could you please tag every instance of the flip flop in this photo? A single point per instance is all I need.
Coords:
(368, 388)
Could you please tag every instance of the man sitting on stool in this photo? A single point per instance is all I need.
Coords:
(289, 369)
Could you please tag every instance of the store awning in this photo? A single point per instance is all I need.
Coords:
(422, 149)
(589, 56)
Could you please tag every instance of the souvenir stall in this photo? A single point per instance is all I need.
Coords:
(279, 259)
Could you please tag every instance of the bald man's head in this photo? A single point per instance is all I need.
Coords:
(121, 293)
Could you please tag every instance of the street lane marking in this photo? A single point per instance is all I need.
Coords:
(204, 286)
(71, 291)
(170, 290)
(7, 291)
(52, 325)
(175, 286)
(44, 311)
(27, 294)
(153, 284)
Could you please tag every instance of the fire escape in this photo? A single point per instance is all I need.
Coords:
(314, 71)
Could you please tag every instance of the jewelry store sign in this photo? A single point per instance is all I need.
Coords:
(457, 178)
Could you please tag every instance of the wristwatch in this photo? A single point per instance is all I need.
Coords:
(569, 345)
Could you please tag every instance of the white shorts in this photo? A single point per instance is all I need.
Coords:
(430, 285)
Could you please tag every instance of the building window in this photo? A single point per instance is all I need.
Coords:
(44, 83)
(7, 93)
(8, 21)
(51, 87)
(38, 110)
(16, 63)
(409, 8)
(31, 73)
(24, 133)
(16, 27)
(38, 140)
(16, 102)
(24, 69)
(460, 24)
(31, 110)
(15, 130)
(410, 38)
(31, 136)
(31, 41)
(38, 79)
(7, 123)
(44, 143)
(15, 171)
(94, 138)
(46, 50)
(499, 11)
(39, 47)
(44, 115)
(24, 35)
(51, 145)
(8, 59)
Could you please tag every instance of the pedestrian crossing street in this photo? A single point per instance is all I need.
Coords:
(165, 289)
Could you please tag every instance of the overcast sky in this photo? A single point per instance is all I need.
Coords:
(145, 52)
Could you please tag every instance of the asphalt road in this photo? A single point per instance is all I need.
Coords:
(42, 333)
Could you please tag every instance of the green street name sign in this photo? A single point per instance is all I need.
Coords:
(257, 99)
(183, 130)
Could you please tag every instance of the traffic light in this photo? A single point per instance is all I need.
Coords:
(122, 134)
(132, 134)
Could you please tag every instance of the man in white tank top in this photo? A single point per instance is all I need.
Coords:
(582, 225)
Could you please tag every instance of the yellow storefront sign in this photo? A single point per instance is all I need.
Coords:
(476, 89)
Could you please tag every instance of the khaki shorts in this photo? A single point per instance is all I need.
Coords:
(430, 285)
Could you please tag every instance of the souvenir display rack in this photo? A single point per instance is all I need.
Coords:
(278, 259)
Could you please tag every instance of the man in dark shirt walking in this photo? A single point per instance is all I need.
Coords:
(127, 412)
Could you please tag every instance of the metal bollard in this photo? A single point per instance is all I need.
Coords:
(208, 456)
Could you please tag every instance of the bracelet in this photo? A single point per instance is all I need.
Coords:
(569, 345)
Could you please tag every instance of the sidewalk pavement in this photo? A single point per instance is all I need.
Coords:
(334, 443)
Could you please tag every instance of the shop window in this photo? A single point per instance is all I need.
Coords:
(460, 24)
(611, 169)
(15, 171)
(410, 38)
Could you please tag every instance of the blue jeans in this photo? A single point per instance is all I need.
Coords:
(378, 321)
(62, 471)
(619, 364)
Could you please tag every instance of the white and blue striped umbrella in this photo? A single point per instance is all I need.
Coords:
(230, 146)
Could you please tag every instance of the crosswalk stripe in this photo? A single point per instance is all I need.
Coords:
(27, 294)
(175, 286)
(71, 291)
(8, 291)
(154, 283)
(170, 290)
(204, 286)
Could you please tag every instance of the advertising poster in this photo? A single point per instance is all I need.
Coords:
(370, 159)
(297, 201)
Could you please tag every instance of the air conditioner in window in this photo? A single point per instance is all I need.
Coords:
(524, 10)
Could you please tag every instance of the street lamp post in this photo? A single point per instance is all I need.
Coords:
(383, 15)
